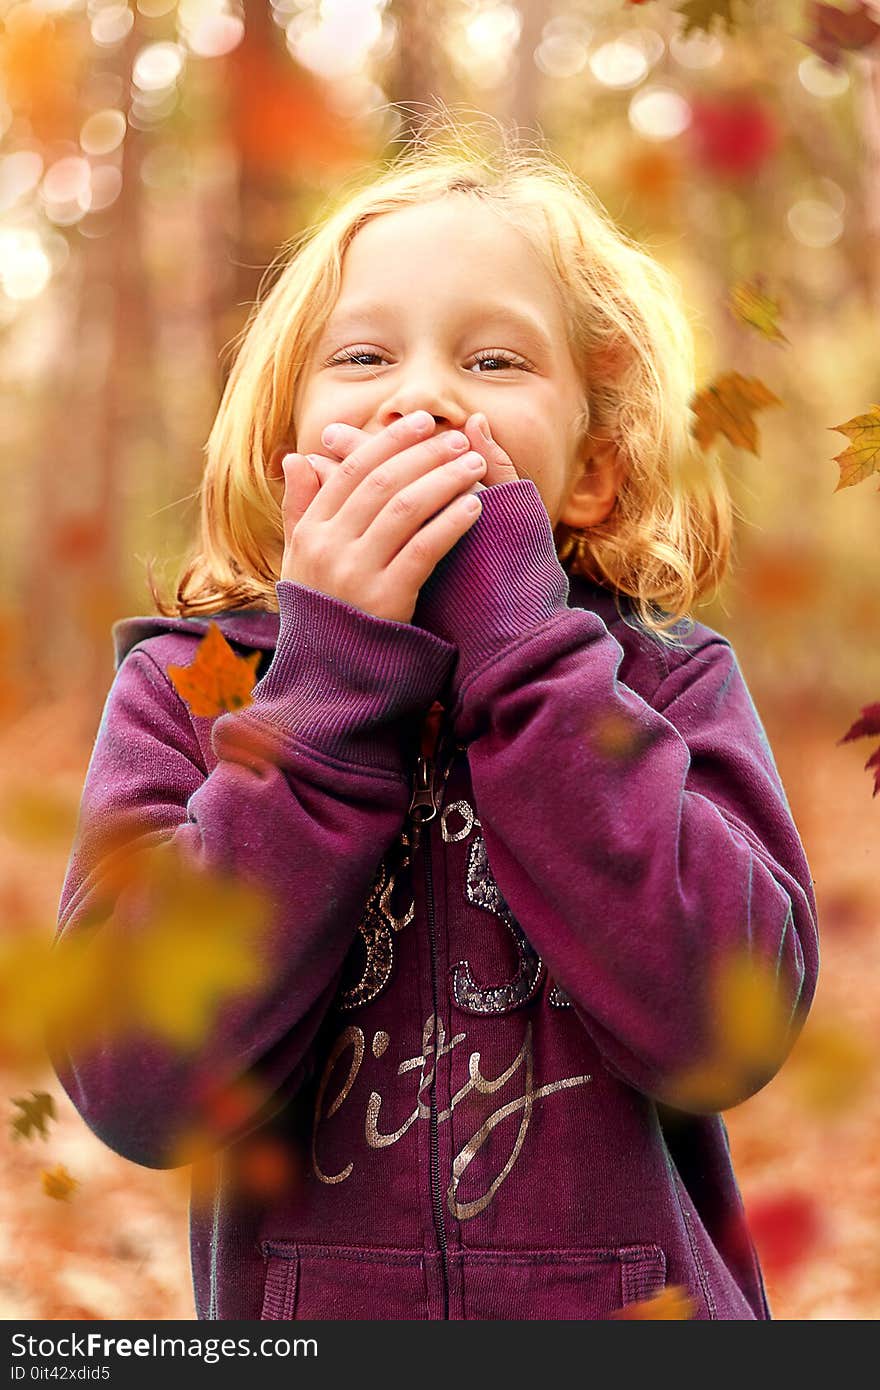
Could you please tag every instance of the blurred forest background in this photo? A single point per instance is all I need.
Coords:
(154, 157)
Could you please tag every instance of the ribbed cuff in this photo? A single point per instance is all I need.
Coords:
(500, 580)
(341, 681)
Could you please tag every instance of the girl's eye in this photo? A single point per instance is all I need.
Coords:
(355, 355)
(352, 355)
(508, 359)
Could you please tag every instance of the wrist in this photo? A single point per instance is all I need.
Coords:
(501, 580)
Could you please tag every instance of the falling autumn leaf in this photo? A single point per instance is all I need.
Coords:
(617, 736)
(867, 727)
(264, 1167)
(226, 1107)
(30, 988)
(202, 946)
(786, 1227)
(756, 309)
(732, 134)
(35, 1115)
(751, 1030)
(59, 1184)
(699, 14)
(727, 407)
(751, 1021)
(671, 1302)
(836, 30)
(216, 680)
(200, 941)
(831, 1065)
(221, 1111)
(862, 457)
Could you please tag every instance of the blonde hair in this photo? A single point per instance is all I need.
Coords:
(665, 543)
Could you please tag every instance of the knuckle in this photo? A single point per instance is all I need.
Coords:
(441, 445)
(350, 467)
(404, 503)
(380, 479)
(420, 550)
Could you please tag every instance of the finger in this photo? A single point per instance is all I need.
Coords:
(499, 467)
(301, 487)
(368, 453)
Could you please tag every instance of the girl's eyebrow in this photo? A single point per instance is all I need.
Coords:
(520, 319)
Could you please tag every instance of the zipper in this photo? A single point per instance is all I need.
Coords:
(426, 798)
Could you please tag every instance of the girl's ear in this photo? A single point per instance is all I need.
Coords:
(594, 491)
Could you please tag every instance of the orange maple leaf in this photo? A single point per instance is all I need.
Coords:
(727, 407)
(216, 680)
(861, 457)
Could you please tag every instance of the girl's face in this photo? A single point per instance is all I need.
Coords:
(444, 307)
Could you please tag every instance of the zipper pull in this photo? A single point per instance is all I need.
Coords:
(423, 806)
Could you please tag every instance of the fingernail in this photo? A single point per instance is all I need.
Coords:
(483, 427)
(330, 433)
(316, 461)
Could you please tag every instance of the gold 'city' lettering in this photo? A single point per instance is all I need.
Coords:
(352, 1039)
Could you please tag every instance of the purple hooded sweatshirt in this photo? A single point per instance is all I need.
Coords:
(490, 959)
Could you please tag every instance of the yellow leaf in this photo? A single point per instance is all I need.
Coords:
(189, 940)
(751, 1020)
(830, 1065)
(711, 1085)
(862, 456)
(750, 1032)
(202, 945)
(757, 310)
(216, 680)
(28, 988)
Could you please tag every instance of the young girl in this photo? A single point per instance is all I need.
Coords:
(519, 822)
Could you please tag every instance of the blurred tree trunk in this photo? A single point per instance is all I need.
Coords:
(868, 68)
(523, 102)
(256, 188)
(417, 74)
(72, 592)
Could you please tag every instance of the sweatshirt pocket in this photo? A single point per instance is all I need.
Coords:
(558, 1284)
(306, 1281)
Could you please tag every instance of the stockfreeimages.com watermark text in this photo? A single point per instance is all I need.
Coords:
(96, 1346)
